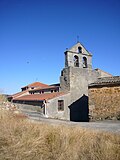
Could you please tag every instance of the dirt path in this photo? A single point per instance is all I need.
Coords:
(108, 126)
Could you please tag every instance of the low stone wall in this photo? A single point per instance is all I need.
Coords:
(28, 107)
(104, 103)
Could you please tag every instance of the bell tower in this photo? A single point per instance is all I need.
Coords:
(78, 56)
(77, 73)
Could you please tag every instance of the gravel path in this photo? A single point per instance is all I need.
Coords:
(108, 126)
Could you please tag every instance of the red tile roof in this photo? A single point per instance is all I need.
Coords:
(46, 87)
(36, 84)
(39, 97)
(19, 94)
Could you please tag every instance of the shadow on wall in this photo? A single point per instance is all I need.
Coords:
(79, 111)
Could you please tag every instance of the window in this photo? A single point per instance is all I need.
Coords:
(60, 105)
(84, 62)
(76, 61)
(25, 88)
(79, 49)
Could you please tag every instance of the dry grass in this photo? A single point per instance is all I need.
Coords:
(23, 140)
(2, 98)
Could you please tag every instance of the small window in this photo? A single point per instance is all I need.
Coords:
(60, 105)
(79, 49)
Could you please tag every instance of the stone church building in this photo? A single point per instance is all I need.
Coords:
(83, 93)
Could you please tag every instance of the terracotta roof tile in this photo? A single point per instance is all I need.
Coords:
(36, 84)
(19, 94)
(45, 87)
(40, 97)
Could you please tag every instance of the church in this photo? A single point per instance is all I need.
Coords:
(76, 97)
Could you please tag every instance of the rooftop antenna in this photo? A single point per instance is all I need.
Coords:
(77, 39)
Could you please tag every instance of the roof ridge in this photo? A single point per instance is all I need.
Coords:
(32, 84)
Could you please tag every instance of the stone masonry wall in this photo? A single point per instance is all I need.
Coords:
(79, 80)
(76, 81)
(65, 79)
(52, 107)
(104, 103)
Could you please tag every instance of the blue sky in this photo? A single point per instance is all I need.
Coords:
(35, 33)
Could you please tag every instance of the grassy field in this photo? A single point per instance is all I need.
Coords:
(21, 139)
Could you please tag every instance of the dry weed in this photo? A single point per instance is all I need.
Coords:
(23, 140)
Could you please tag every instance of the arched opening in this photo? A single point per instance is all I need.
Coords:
(76, 61)
(79, 49)
(84, 62)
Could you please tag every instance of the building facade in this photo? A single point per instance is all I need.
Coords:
(69, 99)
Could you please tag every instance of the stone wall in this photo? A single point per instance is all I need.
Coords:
(103, 73)
(72, 52)
(65, 79)
(104, 102)
(28, 107)
(52, 107)
(76, 81)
